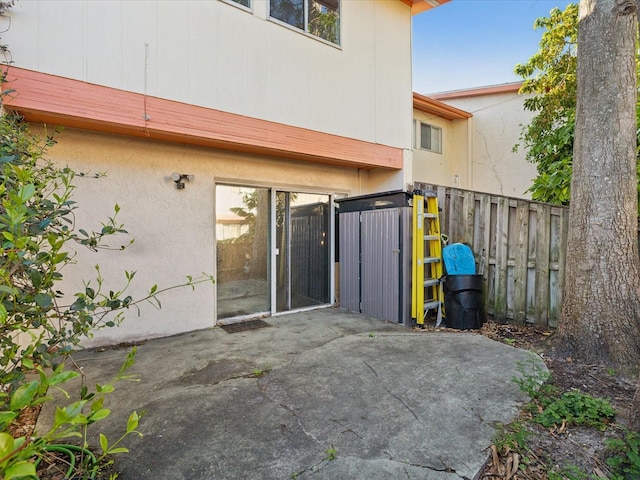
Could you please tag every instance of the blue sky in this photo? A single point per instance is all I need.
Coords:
(475, 43)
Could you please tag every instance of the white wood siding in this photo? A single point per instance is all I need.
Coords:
(213, 54)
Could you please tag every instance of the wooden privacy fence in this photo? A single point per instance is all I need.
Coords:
(521, 244)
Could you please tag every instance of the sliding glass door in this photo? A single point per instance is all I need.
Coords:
(242, 251)
(273, 250)
(302, 254)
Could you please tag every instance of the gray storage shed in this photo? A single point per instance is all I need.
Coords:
(374, 251)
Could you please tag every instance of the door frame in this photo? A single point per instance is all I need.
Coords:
(272, 247)
(274, 250)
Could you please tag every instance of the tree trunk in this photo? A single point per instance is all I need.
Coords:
(601, 306)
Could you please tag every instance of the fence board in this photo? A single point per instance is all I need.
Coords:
(442, 201)
(542, 266)
(455, 212)
(562, 251)
(468, 212)
(500, 279)
(523, 245)
(484, 232)
(521, 259)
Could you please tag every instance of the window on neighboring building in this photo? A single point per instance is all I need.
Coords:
(320, 18)
(244, 3)
(429, 137)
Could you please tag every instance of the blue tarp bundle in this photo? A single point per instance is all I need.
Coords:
(458, 259)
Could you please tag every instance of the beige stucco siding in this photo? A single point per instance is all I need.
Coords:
(174, 230)
(448, 168)
(219, 56)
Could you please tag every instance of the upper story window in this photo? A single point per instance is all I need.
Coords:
(320, 18)
(428, 137)
(244, 3)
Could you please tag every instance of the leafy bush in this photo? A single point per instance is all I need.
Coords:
(576, 408)
(625, 458)
(571, 408)
(19, 457)
(37, 328)
(533, 379)
(512, 437)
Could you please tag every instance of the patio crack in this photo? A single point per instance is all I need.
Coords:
(264, 388)
(315, 468)
(443, 469)
(394, 395)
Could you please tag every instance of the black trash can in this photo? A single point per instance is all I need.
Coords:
(463, 304)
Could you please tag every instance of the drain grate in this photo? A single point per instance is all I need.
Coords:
(244, 326)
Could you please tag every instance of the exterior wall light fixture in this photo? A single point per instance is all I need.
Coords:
(179, 178)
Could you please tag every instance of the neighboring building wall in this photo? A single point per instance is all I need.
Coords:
(498, 117)
(449, 168)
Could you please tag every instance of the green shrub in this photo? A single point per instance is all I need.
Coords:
(577, 408)
(37, 328)
(625, 457)
(512, 437)
(20, 456)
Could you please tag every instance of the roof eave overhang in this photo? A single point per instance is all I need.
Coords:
(434, 107)
(513, 87)
(419, 6)
(45, 98)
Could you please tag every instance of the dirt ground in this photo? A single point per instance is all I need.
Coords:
(581, 447)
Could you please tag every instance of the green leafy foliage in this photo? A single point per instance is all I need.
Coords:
(331, 454)
(20, 456)
(576, 408)
(556, 411)
(549, 78)
(625, 457)
(552, 409)
(38, 327)
(570, 472)
(512, 437)
(533, 379)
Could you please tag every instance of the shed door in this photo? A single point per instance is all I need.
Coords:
(350, 261)
(380, 263)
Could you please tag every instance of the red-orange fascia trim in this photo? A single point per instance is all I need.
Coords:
(434, 107)
(55, 100)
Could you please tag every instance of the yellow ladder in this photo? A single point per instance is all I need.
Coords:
(426, 271)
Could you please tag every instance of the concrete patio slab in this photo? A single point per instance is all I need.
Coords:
(323, 394)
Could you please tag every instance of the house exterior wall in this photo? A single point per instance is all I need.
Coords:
(174, 230)
(217, 55)
(496, 126)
